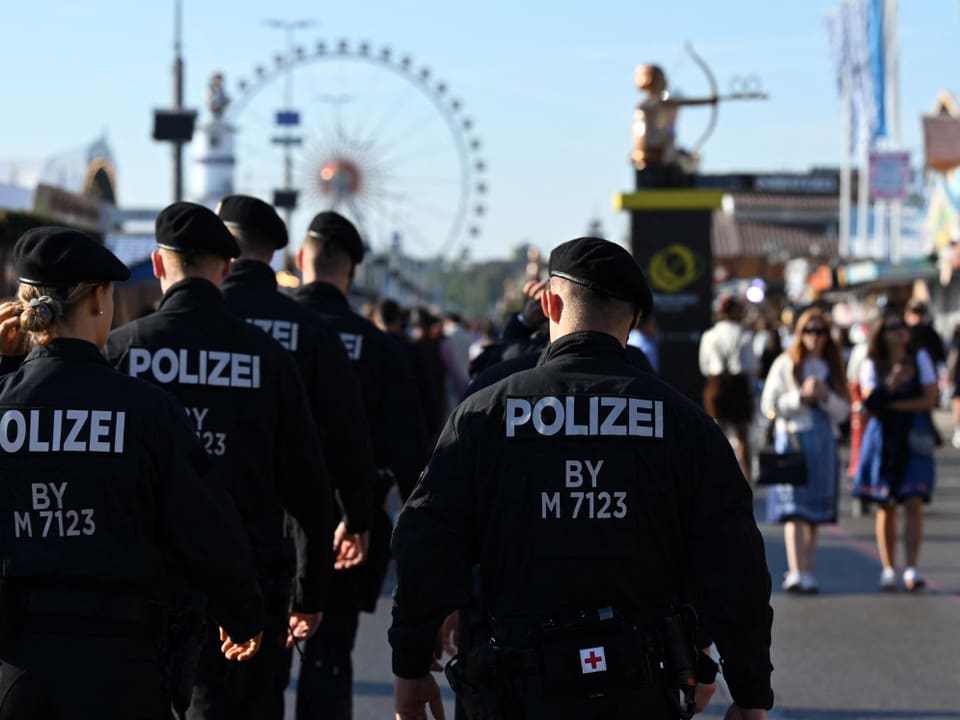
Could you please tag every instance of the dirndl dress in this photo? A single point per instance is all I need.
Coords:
(873, 481)
(815, 502)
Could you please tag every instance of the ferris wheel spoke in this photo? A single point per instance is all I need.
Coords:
(409, 202)
(390, 114)
(426, 180)
(412, 155)
(417, 127)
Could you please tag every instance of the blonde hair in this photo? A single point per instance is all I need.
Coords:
(43, 309)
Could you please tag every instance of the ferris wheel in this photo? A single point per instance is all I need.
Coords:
(365, 131)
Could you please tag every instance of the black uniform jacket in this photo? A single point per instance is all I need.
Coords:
(509, 366)
(102, 490)
(332, 387)
(393, 409)
(584, 483)
(244, 396)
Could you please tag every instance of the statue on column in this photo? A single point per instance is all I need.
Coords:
(217, 98)
(658, 161)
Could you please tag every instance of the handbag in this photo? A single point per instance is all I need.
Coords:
(781, 468)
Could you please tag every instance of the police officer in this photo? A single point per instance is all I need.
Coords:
(597, 502)
(327, 260)
(333, 389)
(244, 395)
(251, 292)
(105, 507)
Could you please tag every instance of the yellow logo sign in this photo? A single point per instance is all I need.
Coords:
(674, 268)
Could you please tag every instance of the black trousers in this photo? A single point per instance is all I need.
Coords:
(56, 668)
(230, 690)
(325, 687)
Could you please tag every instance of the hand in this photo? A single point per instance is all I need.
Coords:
(821, 391)
(351, 548)
(302, 626)
(240, 651)
(899, 374)
(411, 696)
(533, 288)
(808, 391)
(703, 695)
(448, 639)
(738, 713)
(12, 341)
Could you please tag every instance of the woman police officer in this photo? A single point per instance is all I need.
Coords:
(103, 513)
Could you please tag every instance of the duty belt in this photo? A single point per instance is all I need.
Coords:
(92, 604)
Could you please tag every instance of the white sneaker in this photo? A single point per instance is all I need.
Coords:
(808, 584)
(791, 582)
(956, 438)
(888, 579)
(913, 580)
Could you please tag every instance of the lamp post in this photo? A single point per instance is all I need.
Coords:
(177, 103)
(288, 118)
(176, 124)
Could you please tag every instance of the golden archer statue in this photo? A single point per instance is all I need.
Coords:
(655, 155)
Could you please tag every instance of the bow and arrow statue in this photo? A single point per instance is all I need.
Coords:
(657, 159)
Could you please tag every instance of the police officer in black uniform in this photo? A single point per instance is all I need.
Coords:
(106, 511)
(329, 256)
(243, 392)
(335, 399)
(598, 502)
(333, 389)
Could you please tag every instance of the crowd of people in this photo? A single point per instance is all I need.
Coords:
(200, 492)
(872, 386)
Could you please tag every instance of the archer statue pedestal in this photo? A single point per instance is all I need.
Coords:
(670, 232)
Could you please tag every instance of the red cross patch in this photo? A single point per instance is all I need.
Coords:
(593, 660)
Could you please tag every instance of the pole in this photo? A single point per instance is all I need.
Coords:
(845, 157)
(288, 26)
(177, 103)
(891, 30)
(863, 187)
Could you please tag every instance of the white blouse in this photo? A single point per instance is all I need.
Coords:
(781, 395)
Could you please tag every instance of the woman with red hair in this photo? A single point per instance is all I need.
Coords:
(806, 391)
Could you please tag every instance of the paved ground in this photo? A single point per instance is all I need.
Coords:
(850, 653)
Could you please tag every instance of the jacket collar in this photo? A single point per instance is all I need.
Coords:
(323, 295)
(583, 344)
(251, 274)
(191, 294)
(69, 348)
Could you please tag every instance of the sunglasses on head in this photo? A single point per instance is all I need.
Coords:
(815, 331)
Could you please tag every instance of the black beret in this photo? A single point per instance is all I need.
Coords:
(59, 257)
(253, 214)
(335, 227)
(190, 228)
(605, 268)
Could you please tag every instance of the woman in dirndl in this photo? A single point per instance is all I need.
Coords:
(806, 392)
(899, 386)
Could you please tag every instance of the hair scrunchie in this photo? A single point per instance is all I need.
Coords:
(46, 307)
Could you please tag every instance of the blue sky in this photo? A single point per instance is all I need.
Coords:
(548, 85)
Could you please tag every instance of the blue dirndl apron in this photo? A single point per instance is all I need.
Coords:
(815, 502)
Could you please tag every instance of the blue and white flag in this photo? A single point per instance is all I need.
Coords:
(855, 34)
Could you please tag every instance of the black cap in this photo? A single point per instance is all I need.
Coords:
(190, 228)
(335, 227)
(604, 267)
(253, 214)
(59, 257)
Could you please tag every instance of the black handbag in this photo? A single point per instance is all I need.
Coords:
(781, 468)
